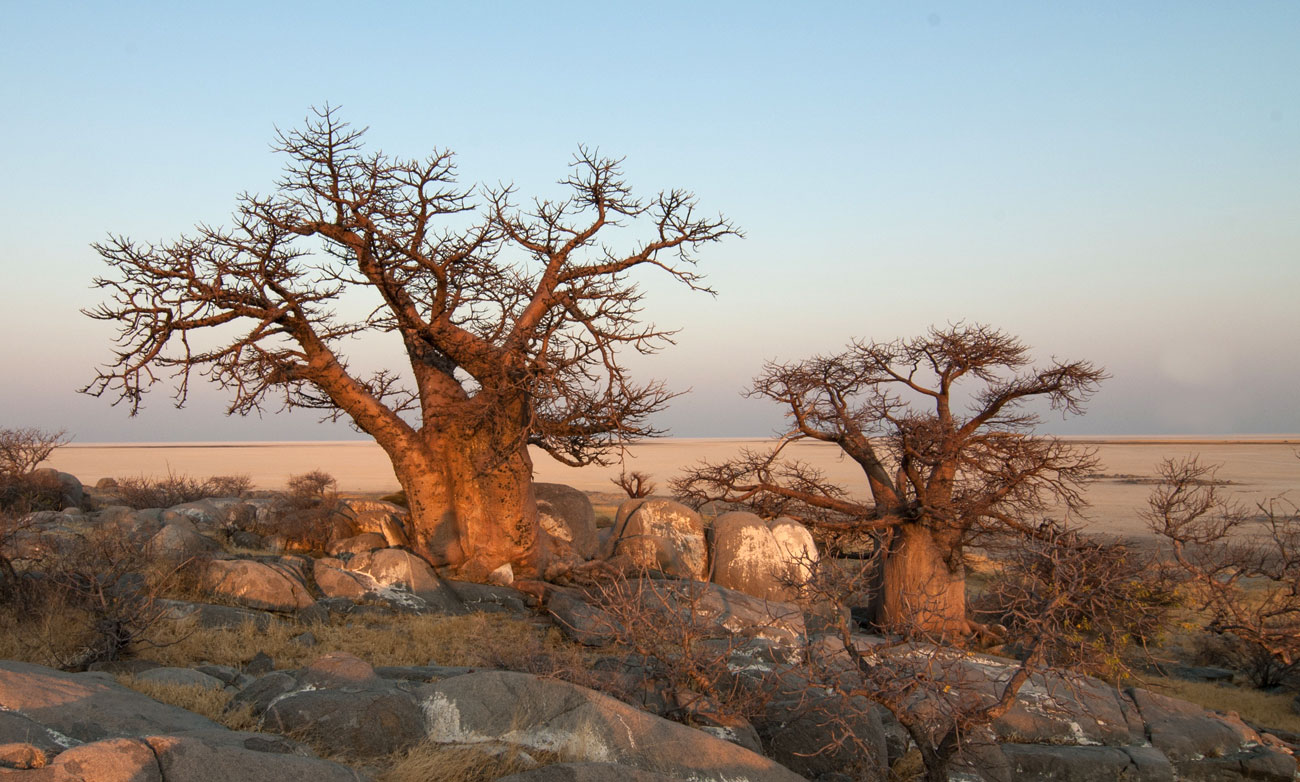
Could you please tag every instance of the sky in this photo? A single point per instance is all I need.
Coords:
(1111, 181)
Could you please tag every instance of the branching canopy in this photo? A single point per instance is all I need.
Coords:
(894, 409)
(496, 302)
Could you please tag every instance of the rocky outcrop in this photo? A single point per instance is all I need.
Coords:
(769, 560)
(568, 519)
(264, 585)
(582, 725)
(663, 536)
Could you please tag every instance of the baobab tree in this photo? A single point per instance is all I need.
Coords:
(938, 476)
(512, 320)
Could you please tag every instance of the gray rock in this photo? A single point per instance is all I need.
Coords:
(262, 692)
(180, 541)
(490, 598)
(1185, 731)
(392, 567)
(186, 759)
(582, 622)
(422, 673)
(184, 677)
(587, 772)
(582, 724)
(566, 515)
(1084, 764)
(18, 729)
(661, 535)
(209, 615)
(88, 707)
(338, 670)
(364, 723)
(257, 585)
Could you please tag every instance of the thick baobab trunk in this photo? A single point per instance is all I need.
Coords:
(472, 503)
(919, 590)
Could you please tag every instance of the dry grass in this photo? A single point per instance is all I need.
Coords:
(201, 700)
(476, 640)
(47, 634)
(429, 762)
(1256, 707)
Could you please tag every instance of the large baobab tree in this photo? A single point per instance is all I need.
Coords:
(512, 319)
(940, 471)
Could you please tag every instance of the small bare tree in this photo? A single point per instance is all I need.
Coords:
(1245, 565)
(512, 322)
(938, 477)
(22, 450)
(634, 484)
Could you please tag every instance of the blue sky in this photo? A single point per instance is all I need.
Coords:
(1112, 181)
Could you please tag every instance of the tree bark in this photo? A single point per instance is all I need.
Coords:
(471, 498)
(920, 591)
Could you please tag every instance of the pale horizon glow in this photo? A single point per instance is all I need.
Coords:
(1115, 182)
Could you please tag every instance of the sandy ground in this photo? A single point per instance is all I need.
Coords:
(1258, 467)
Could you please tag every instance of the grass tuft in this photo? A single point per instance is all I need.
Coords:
(429, 762)
(203, 701)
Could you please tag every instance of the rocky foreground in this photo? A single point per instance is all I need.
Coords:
(56, 725)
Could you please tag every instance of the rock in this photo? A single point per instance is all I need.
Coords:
(813, 735)
(257, 585)
(1185, 731)
(363, 723)
(304, 639)
(134, 666)
(183, 677)
(336, 582)
(210, 616)
(582, 622)
(1084, 764)
(392, 567)
(581, 724)
(357, 544)
(797, 546)
(186, 759)
(262, 692)
(88, 707)
(106, 483)
(179, 541)
(587, 772)
(239, 516)
(1053, 709)
(18, 731)
(110, 760)
(204, 514)
(338, 669)
(422, 673)
(567, 516)
(489, 598)
(1200, 673)
(375, 516)
(747, 558)
(502, 576)
(227, 675)
(261, 663)
(661, 535)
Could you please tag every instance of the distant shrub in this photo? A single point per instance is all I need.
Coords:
(149, 492)
(307, 519)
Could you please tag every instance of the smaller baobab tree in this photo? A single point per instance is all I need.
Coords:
(939, 477)
(513, 320)
(1242, 564)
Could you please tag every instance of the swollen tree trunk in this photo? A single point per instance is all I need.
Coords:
(920, 592)
(469, 486)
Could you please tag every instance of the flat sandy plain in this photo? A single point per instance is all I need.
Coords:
(1258, 467)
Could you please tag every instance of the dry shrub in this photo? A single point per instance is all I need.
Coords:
(305, 516)
(148, 492)
(429, 762)
(634, 484)
(201, 700)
